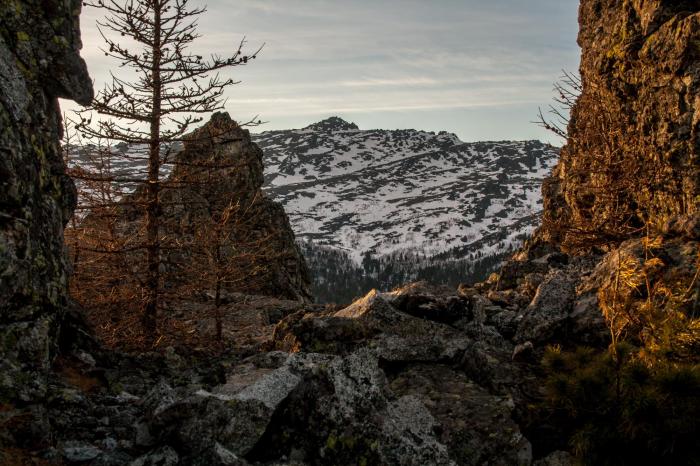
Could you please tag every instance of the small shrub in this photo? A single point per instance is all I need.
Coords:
(638, 402)
(618, 410)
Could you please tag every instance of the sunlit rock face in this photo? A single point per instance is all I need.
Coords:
(39, 62)
(632, 154)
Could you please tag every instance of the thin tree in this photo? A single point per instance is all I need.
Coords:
(566, 92)
(171, 88)
(229, 253)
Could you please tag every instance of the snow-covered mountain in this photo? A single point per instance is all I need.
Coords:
(374, 208)
(378, 208)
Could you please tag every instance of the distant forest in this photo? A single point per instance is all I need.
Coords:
(338, 279)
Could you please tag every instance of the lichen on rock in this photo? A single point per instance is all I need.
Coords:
(39, 62)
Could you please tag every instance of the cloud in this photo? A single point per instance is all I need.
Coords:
(401, 82)
(378, 58)
(419, 107)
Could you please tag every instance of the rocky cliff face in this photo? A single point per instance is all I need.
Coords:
(632, 154)
(221, 166)
(39, 62)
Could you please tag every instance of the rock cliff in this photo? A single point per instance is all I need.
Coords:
(220, 167)
(39, 62)
(632, 154)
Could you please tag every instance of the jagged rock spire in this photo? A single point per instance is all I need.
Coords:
(333, 124)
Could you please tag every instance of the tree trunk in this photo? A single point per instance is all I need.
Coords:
(150, 313)
(217, 300)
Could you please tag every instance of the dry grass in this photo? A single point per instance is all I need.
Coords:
(192, 327)
(652, 303)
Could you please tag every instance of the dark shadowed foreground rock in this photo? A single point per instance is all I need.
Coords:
(421, 375)
(39, 62)
(549, 308)
(329, 409)
(417, 376)
(413, 377)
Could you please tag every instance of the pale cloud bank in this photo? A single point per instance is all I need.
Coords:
(476, 68)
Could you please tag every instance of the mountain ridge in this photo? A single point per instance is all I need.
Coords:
(367, 197)
(376, 194)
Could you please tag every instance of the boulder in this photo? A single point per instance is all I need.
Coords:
(409, 429)
(557, 458)
(163, 456)
(475, 425)
(432, 303)
(80, 452)
(39, 62)
(548, 313)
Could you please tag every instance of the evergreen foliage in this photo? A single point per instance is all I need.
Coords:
(638, 402)
(619, 410)
(339, 279)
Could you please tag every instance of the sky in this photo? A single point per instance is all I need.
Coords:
(476, 68)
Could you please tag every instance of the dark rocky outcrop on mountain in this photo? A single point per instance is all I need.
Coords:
(220, 165)
(632, 153)
(331, 125)
(39, 62)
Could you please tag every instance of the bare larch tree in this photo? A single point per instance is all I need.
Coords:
(166, 91)
(566, 90)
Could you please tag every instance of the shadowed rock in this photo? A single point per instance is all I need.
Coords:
(39, 62)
